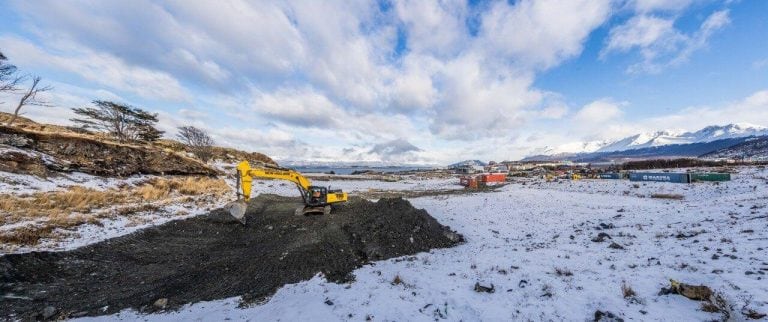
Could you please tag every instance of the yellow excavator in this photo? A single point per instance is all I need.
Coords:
(317, 199)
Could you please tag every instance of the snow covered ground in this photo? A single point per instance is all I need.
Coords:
(359, 186)
(109, 227)
(533, 243)
(12, 183)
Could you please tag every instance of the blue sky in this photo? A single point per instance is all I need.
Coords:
(401, 81)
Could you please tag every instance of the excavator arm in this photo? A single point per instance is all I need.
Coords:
(245, 175)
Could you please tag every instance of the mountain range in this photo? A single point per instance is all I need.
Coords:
(665, 143)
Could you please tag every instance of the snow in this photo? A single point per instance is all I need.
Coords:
(12, 183)
(114, 227)
(523, 232)
(19, 184)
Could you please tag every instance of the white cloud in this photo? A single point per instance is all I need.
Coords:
(659, 42)
(316, 77)
(599, 111)
(298, 107)
(99, 68)
(644, 6)
(554, 112)
(643, 32)
(477, 102)
(542, 34)
(434, 27)
(751, 109)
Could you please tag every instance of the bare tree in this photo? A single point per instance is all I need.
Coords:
(198, 140)
(122, 121)
(30, 98)
(9, 78)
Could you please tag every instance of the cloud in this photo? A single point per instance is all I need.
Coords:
(760, 64)
(554, 112)
(659, 42)
(542, 34)
(434, 27)
(751, 109)
(309, 79)
(298, 107)
(599, 111)
(99, 68)
(398, 146)
(645, 6)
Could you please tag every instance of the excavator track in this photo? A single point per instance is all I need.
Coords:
(320, 210)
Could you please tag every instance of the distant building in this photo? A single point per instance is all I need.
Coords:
(470, 169)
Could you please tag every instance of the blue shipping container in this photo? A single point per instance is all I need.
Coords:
(610, 176)
(660, 177)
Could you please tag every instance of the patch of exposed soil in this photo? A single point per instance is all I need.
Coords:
(213, 257)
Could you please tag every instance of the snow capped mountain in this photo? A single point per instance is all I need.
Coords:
(467, 163)
(575, 147)
(659, 138)
(644, 140)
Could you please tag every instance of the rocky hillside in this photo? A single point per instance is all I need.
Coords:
(43, 149)
(756, 148)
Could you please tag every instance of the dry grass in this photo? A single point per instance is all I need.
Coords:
(30, 235)
(667, 196)
(627, 291)
(79, 205)
(397, 280)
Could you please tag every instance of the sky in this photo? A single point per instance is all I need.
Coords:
(402, 82)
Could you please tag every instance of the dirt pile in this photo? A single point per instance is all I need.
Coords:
(73, 152)
(213, 257)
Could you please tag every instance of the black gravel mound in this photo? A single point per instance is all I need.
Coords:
(213, 257)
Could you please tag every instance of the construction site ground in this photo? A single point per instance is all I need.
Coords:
(213, 257)
(534, 250)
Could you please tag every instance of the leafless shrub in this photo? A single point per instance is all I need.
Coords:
(198, 141)
(30, 98)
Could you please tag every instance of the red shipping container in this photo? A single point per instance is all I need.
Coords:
(493, 177)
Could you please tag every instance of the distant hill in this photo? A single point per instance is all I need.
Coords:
(467, 163)
(751, 148)
(664, 151)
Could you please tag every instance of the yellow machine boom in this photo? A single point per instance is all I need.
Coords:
(316, 199)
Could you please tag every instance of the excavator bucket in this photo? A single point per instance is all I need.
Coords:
(237, 209)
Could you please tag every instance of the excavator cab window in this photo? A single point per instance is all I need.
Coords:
(317, 195)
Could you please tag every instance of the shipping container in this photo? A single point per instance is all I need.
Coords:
(493, 177)
(610, 176)
(710, 176)
(660, 177)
